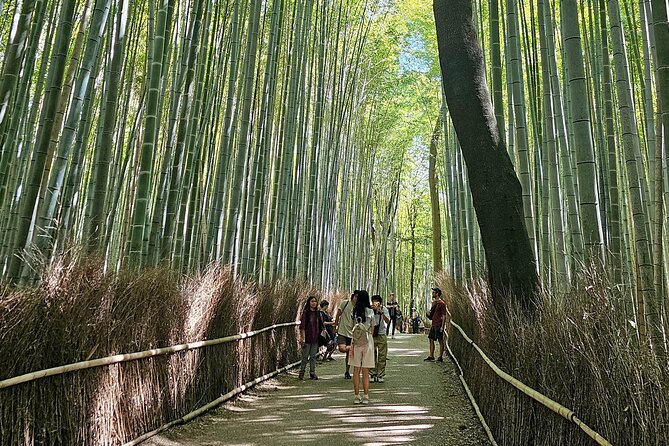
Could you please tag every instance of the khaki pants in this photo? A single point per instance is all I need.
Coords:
(380, 355)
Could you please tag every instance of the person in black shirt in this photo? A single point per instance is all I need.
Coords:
(329, 327)
(392, 309)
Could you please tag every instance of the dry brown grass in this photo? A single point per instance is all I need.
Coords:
(581, 351)
(78, 312)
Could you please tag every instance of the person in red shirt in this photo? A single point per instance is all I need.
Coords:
(311, 324)
(436, 314)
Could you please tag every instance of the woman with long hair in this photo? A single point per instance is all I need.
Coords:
(362, 347)
(311, 325)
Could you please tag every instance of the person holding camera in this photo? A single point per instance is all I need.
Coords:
(436, 315)
(381, 319)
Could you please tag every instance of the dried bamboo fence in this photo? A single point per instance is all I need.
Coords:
(109, 360)
(542, 399)
(147, 354)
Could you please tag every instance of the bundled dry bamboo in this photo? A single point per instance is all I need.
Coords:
(578, 350)
(78, 313)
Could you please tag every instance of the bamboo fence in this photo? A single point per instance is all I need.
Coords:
(542, 399)
(109, 360)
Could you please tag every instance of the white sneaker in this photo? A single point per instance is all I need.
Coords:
(365, 399)
(357, 399)
(380, 379)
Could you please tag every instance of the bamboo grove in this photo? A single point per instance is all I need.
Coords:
(580, 93)
(289, 139)
(187, 132)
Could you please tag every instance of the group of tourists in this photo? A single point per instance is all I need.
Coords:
(360, 330)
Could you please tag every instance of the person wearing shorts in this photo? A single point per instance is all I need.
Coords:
(436, 314)
(362, 349)
(343, 328)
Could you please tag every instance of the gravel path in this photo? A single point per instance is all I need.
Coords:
(420, 403)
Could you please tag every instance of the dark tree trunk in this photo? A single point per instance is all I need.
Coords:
(494, 185)
(434, 197)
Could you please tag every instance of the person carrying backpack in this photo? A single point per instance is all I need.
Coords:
(362, 346)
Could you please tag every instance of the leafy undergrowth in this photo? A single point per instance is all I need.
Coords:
(79, 312)
(581, 351)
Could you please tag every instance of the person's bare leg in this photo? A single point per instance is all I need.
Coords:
(431, 348)
(441, 347)
(356, 380)
(343, 348)
(365, 380)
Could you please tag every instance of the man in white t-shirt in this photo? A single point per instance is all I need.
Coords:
(344, 328)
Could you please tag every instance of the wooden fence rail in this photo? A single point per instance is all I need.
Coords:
(543, 399)
(109, 360)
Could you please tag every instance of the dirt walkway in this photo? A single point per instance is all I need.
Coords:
(420, 403)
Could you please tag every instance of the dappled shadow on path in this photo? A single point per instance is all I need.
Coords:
(287, 411)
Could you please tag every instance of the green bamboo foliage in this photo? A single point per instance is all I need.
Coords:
(614, 234)
(37, 165)
(550, 145)
(103, 149)
(639, 220)
(258, 217)
(581, 133)
(14, 56)
(581, 124)
(515, 70)
(496, 60)
(268, 134)
(83, 85)
(574, 232)
(11, 154)
(142, 197)
(236, 199)
(660, 30)
(216, 223)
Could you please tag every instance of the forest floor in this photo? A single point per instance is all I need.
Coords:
(419, 403)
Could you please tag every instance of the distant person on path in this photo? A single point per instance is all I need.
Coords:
(311, 325)
(436, 315)
(329, 327)
(400, 321)
(362, 347)
(344, 326)
(415, 322)
(381, 319)
(392, 310)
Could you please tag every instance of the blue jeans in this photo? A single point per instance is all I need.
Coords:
(309, 352)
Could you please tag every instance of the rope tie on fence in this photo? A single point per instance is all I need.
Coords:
(543, 399)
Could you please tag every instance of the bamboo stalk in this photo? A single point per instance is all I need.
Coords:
(186, 418)
(549, 403)
(109, 360)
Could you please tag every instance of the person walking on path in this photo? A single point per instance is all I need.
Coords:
(436, 314)
(329, 327)
(344, 326)
(393, 308)
(311, 325)
(381, 318)
(362, 346)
